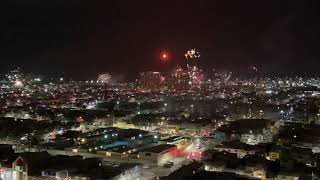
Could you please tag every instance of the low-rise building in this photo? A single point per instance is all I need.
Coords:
(250, 165)
(158, 155)
(241, 149)
(249, 131)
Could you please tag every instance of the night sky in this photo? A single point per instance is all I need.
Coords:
(83, 38)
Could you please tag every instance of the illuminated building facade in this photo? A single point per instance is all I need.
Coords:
(19, 169)
(179, 80)
(150, 81)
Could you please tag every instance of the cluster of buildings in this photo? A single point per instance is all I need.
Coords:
(179, 80)
(179, 126)
(249, 131)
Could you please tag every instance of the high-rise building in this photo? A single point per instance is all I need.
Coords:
(150, 80)
(179, 80)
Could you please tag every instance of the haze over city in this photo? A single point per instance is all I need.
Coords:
(81, 38)
(150, 90)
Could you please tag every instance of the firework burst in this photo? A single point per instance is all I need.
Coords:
(192, 54)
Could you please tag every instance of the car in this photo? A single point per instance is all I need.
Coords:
(168, 164)
(110, 163)
(107, 163)
(146, 167)
(115, 164)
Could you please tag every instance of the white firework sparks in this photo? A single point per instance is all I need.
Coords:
(192, 54)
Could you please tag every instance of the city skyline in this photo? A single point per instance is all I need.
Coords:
(159, 90)
(84, 39)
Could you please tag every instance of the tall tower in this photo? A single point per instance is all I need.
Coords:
(150, 81)
(179, 80)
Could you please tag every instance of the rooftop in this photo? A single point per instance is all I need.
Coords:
(246, 125)
(173, 139)
(204, 175)
(240, 145)
(159, 148)
(185, 171)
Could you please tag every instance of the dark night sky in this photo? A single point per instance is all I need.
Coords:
(82, 38)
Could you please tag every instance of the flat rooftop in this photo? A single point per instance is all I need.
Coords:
(173, 138)
(159, 148)
(245, 125)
